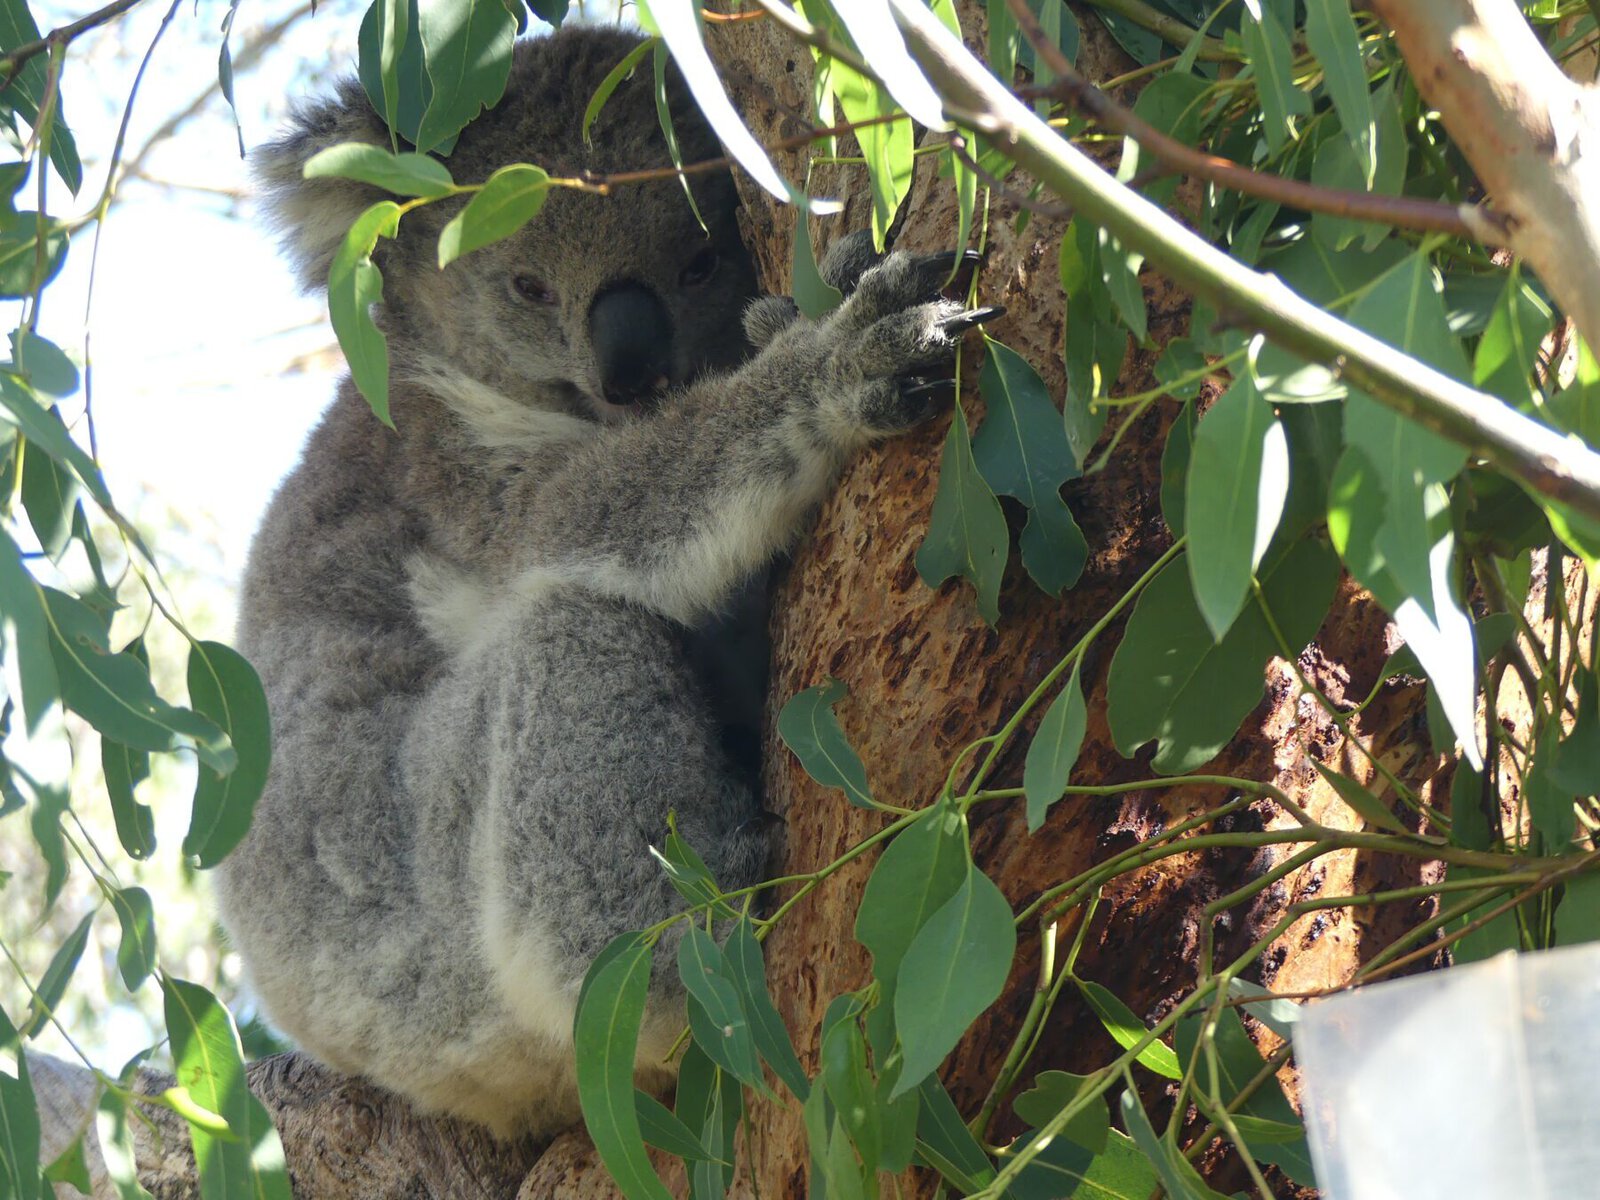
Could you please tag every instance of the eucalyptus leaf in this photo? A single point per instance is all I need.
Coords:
(403, 174)
(209, 1065)
(52, 984)
(1128, 1031)
(1054, 749)
(809, 728)
(136, 952)
(605, 1041)
(1238, 481)
(1022, 451)
(954, 968)
(747, 972)
(967, 533)
(1172, 682)
(224, 687)
(466, 51)
(354, 286)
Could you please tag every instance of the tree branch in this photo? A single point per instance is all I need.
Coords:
(1544, 460)
(1531, 134)
(1409, 212)
(11, 63)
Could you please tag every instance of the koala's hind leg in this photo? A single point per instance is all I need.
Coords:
(569, 733)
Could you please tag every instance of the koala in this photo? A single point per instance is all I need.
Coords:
(477, 630)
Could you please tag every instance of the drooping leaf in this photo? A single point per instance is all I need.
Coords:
(1578, 916)
(1022, 451)
(1128, 1031)
(1119, 267)
(669, 129)
(49, 494)
(1504, 361)
(115, 1137)
(70, 1168)
(605, 1040)
(44, 822)
(813, 294)
(614, 78)
(403, 174)
(124, 770)
(1054, 749)
(225, 688)
(23, 614)
(918, 874)
(809, 728)
(1223, 1074)
(209, 1065)
(967, 533)
(678, 23)
(944, 1142)
(1170, 681)
(136, 952)
(870, 23)
(1271, 58)
(1178, 1177)
(19, 1120)
(354, 286)
(43, 364)
(1332, 39)
(43, 429)
(52, 984)
(466, 51)
(1367, 806)
(850, 1087)
(715, 1014)
(1238, 480)
(747, 972)
(954, 968)
(26, 92)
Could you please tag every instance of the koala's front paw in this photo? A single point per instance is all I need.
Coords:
(852, 256)
(893, 346)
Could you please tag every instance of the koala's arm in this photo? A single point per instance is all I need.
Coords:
(674, 511)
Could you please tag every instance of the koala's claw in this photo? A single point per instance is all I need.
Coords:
(961, 322)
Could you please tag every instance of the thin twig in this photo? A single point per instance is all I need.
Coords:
(11, 63)
(1545, 461)
(1407, 212)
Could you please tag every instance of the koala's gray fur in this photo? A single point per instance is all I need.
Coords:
(474, 630)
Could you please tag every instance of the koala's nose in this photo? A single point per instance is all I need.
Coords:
(632, 338)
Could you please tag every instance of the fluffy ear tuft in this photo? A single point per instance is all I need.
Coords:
(311, 216)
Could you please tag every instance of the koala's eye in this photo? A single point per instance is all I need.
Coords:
(533, 289)
(701, 268)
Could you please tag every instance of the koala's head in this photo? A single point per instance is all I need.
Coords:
(598, 303)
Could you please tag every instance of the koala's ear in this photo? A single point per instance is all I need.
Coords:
(313, 215)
